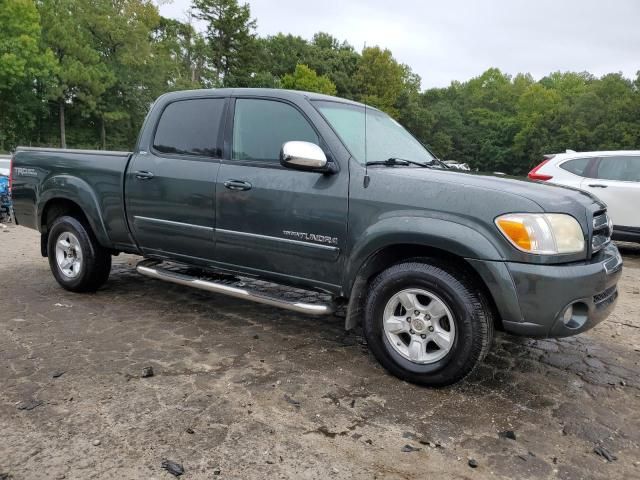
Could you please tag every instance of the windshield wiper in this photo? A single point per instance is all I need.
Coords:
(393, 161)
(440, 162)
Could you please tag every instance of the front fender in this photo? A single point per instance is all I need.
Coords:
(452, 237)
(71, 188)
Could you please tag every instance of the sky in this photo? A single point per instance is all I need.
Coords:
(451, 40)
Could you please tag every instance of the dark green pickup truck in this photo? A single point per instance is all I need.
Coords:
(325, 194)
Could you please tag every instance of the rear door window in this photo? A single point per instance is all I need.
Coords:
(620, 168)
(191, 127)
(578, 166)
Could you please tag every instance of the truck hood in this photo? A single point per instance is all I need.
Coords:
(550, 197)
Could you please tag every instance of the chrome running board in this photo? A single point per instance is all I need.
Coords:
(150, 268)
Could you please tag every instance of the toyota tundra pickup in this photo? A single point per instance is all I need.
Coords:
(327, 195)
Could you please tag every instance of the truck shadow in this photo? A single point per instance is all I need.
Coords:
(515, 366)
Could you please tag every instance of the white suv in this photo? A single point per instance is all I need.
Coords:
(614, 177)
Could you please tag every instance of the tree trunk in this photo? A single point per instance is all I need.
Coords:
(63, 137)
(103, 134)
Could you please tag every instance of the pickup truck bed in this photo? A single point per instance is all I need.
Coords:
(91, 178)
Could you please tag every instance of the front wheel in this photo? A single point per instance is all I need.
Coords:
(427, 322)
(78, 262)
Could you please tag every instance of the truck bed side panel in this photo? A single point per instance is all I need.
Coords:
(92, 179)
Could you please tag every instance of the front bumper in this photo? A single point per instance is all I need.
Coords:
(533, 300)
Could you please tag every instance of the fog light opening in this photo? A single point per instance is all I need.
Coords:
(575, 315)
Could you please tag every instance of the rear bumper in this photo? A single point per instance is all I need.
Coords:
(554, 300)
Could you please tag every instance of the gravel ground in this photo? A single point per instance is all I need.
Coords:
(246, 391)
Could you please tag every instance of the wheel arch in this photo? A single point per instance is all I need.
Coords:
(67, 193)
(395, 253)
(59, 206)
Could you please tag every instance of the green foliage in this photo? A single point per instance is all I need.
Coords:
(495, 122)
(24, 64)
(182, 55)
(88, 70)
(280, 54)
(337, 60)
(20, 54)
(124, 47)
(230, 34)
(380, 79)
(303, 78)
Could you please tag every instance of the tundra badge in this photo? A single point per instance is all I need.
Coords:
(311, 236)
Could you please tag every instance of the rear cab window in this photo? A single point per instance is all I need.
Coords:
(191, 127)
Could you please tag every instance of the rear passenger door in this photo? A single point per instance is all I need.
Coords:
(616, 181)
(170, 189)
(272, 220)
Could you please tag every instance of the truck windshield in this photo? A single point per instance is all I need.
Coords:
(386, 138)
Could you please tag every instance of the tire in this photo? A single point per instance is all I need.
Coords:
(79, 263)
(459, 306)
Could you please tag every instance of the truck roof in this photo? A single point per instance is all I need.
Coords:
(264, 92)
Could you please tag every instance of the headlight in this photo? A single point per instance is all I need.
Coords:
(542, 233)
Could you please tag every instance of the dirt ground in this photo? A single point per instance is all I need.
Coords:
(246, 391)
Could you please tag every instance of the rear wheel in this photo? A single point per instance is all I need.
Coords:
(78, 262)
(427, 322)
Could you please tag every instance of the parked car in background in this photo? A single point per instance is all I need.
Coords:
(5, 200)
(614, 177)
(457, 165)
(5, 161)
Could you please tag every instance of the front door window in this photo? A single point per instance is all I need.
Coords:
(261, 127)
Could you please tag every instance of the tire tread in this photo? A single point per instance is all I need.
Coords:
(97, 258)
(466, 285)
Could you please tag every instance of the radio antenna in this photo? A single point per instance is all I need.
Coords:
(367, 179)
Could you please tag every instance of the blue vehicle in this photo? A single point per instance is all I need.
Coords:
(5, 199)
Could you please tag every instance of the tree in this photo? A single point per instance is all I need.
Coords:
(84, 72)
(230, 34)
(303, 78)
(183, 52)
(279, 54)
(380, 79)
(23, 65)
(337, 60)
(81, 76)
(121, 32)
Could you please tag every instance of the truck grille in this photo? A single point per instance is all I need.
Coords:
(602, 230)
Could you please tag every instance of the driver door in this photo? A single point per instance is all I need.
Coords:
(272, 220)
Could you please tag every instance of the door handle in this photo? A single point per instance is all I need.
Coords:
(143, 175)
(237, 185)
(597, 185)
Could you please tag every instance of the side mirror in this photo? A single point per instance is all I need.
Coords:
(303, 156)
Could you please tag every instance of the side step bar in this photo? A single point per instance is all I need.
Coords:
(151, 269)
